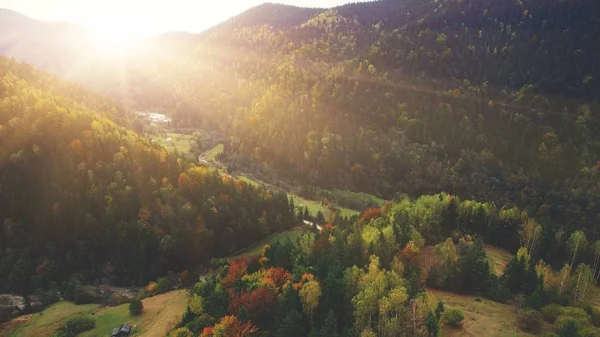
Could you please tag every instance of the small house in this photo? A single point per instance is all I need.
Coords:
(122, 331)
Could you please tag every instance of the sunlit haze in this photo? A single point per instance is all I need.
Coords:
(118, 20)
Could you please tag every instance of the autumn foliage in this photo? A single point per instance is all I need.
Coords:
(369, 214)
(230, 326)
(237, 269)
(278, 277)
(256, 302)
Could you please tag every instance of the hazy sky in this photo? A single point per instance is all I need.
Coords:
(145, 17)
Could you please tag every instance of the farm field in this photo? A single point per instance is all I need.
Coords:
(179, 142)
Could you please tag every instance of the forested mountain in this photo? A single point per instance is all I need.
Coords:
(491, 100)
(496, 100)
(80, 194)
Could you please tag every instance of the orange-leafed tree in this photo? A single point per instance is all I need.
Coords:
(369, 214)
(277, 276)
(230, 326)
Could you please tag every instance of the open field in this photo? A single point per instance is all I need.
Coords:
(292, 234)
(593, 297)
(347, 212)
(349, 195)
(180, 142)
(50, 319)
(498, 258)
(248, 180)
(314, 207)
(211, 155)
(161, 312)
(482, 318)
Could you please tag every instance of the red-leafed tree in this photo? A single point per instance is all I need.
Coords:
(237, 269)
(258, 302)
(208, 332)
(279, 276)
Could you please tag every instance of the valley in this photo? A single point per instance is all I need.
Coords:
(381, 168)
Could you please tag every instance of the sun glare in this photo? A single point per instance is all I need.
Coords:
(110, 41)
(113, 34)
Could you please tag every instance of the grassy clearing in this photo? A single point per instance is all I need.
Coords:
(292, 234)
(482, 318)
(180, 142)
(211, 155)
(347, 212)
(314, 207)
(50, 319)
(249, 181)
(110, 318)
(498, 258)
(161, 312)
(593, 297)
(348, 195)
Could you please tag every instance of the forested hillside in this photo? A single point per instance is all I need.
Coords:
(484, 99)
(80, 194)
(369, 278)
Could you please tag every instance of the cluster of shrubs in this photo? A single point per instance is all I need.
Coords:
(566, 321)
(75, 325)
(454, 317)
(162, 285)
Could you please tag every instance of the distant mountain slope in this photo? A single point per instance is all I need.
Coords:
(70, 51)
(52, 46)
(276, 15)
